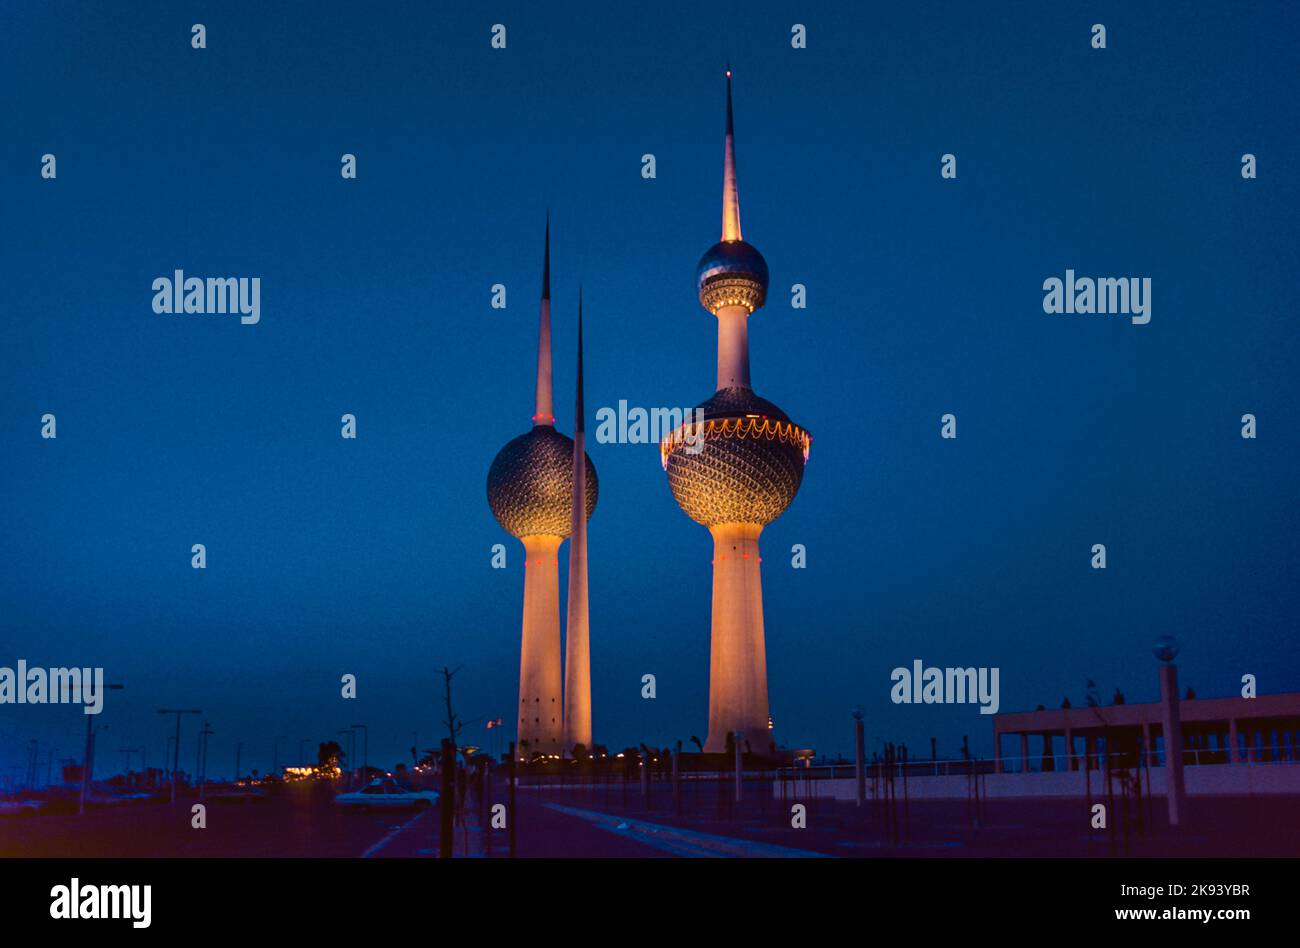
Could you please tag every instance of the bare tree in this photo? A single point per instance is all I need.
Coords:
(453, 725)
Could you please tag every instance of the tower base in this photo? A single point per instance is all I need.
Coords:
(737, 653)
(539, 715)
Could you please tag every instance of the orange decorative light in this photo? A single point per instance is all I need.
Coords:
(751, 426)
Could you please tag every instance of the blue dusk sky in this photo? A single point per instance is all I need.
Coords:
(924, 296)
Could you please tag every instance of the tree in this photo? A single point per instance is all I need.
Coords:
(328, 754)
(453, 725)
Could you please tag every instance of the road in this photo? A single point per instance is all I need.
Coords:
(300, 821)
(616, 822)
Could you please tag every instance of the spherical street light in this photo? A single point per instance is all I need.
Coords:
(1165, 648)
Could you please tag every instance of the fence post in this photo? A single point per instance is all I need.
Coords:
(510, 818)
(446, 829)
(740, 771)
(677, 779)
(859, 767)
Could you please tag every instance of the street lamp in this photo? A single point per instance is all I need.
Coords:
(275, 768)
(32, 754)
(128, 751)
(351, 745)
(88, 761)
(365, 749)
(1165, 651)
(176, 760)
(203, 755)
(494, 724)
(859, 757)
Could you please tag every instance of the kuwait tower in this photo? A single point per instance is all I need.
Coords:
(734, 467)
(530, 491)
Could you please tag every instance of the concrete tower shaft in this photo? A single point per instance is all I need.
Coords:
(577, 655)
(540, 701)
(737, 650)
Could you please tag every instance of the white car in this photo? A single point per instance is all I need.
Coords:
(388, 793)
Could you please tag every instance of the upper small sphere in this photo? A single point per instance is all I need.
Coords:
(731, 273)
(530, 484)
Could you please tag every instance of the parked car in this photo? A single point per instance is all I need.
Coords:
(19, 807)
(388, 793)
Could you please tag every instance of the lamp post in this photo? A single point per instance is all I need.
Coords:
(365, 747)
(1165, 651)
(239, 749)
(859, 767)
(88, 761)
(33, 752)
(176, 759)
(351, 743)
(203, 755)
(128, 751)
(740, 770)
(275, 766)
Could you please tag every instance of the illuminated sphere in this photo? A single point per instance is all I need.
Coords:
(750, 464)
(1166, 648)
(530, 484)
(731, 273)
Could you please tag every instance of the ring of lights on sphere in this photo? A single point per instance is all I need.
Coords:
(530, 484)
(742, 463)
(731, 273)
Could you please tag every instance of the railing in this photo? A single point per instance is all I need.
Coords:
(1039, 763)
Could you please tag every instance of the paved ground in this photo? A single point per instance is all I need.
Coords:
(1221, 826)
(616, 821)
(302, 821)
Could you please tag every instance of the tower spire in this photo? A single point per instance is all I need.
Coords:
(546, 260)
(730, 190)
(544, 409)
(577, 656)
(578, 423)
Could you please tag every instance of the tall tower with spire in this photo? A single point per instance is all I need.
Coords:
(530, 491)
(577, 636)
(734, 467)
